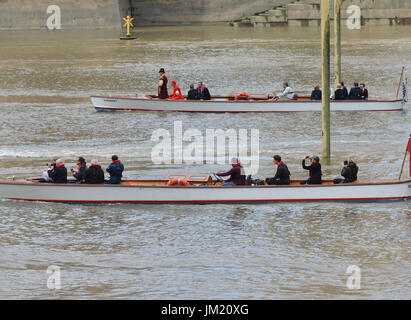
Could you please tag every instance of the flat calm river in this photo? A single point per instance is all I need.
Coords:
(266, 251)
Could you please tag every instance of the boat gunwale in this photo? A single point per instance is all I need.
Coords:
(370, 100)
(354, 184)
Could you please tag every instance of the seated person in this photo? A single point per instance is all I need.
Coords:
(364, 90)
(316, 93)
(82, 167)
(287, 93)
(115, 169)
(177, 95)
(315, 170)
(94, 174)
(237, 174)
(202, 92)
(349, 172)
(339, 93)
(345, 90)
(57, 172)
(282, 176)
(192, 94)
(355, 92)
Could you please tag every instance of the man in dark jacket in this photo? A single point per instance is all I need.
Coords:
(339, 93)
(316, 93)
(364, 91)
(345, 90)
(82, 167)
(115, 169)
(237, 174)
(282, 176)
(202, 92)
(192, 94)
(59, 173)
(315, 171)
(94, 174)
(349, 172)
(355, 93)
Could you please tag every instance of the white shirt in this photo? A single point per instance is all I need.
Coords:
(287, 93)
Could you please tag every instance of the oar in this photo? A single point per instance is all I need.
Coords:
(403, 162)
(399, 85)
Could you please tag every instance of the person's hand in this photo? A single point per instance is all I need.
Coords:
(49, 165)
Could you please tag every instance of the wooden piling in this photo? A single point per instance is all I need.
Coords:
(337, 40)
(325, 77)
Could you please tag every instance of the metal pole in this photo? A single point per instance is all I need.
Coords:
(337, 40)
(325, 77)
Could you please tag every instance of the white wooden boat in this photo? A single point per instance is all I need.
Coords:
(202, 189)
(259, 103)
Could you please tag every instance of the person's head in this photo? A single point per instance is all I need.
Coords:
(342, 84)
(285, 85)
(234, 161)
(162, 71)
(192, 86)
(355, 84)
(338, 86)
(345, 163)
(94, 162)
(199, 84)
(277, 159)
(173, 83)
(352, 160)
(81, 160)
(114, 158)
(316, 159)
(59, 161)
(362, 85)
(317, 87)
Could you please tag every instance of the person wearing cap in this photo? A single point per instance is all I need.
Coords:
(94, 174)
(315, 170)
(177, 95)
(237, 174)
(162, 85)
(282, 176)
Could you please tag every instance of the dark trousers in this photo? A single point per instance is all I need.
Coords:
(272, 181)
(309, 181)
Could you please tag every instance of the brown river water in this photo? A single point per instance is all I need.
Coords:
(265, 251)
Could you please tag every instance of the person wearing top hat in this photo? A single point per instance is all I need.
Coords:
(237, 174)
(162, 85)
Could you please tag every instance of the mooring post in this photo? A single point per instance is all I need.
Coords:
(325, 79)
(337, 40)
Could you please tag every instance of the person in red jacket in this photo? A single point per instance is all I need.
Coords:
(237, 174)
(177, 95)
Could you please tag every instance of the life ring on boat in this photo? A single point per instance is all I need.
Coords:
(242, 96)
(178, 181)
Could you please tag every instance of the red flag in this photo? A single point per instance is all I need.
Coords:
(409, 150)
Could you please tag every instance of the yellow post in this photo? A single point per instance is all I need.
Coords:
(325, 76)
(128, 24)
(337, 40)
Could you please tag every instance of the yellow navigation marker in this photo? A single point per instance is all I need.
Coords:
(128, 24)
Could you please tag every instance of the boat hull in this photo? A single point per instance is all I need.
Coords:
(133, 103)
(129, 193)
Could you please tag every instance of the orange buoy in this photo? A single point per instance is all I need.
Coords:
(178, 181)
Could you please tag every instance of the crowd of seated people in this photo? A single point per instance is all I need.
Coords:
(56, 172)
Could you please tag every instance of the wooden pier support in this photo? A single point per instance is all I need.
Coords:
(337, 40)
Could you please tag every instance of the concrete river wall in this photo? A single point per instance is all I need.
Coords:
(32, 14)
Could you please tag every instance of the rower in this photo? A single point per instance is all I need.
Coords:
(315, 170)
(339, 93)
(364, 90)
(355, 92)
(287, 93)
(237, 174)
(316, 93)
(282, 176)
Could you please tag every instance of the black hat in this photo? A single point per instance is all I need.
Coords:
(162, 70)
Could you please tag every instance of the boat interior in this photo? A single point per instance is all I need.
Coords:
(242, 96)
(187, 180)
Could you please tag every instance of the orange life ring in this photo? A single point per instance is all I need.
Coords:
(242, 96)
(178, 181)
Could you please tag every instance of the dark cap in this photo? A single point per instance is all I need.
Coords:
(162, 70)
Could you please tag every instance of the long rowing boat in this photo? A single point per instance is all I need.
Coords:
(259, 103)
(202, 189)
